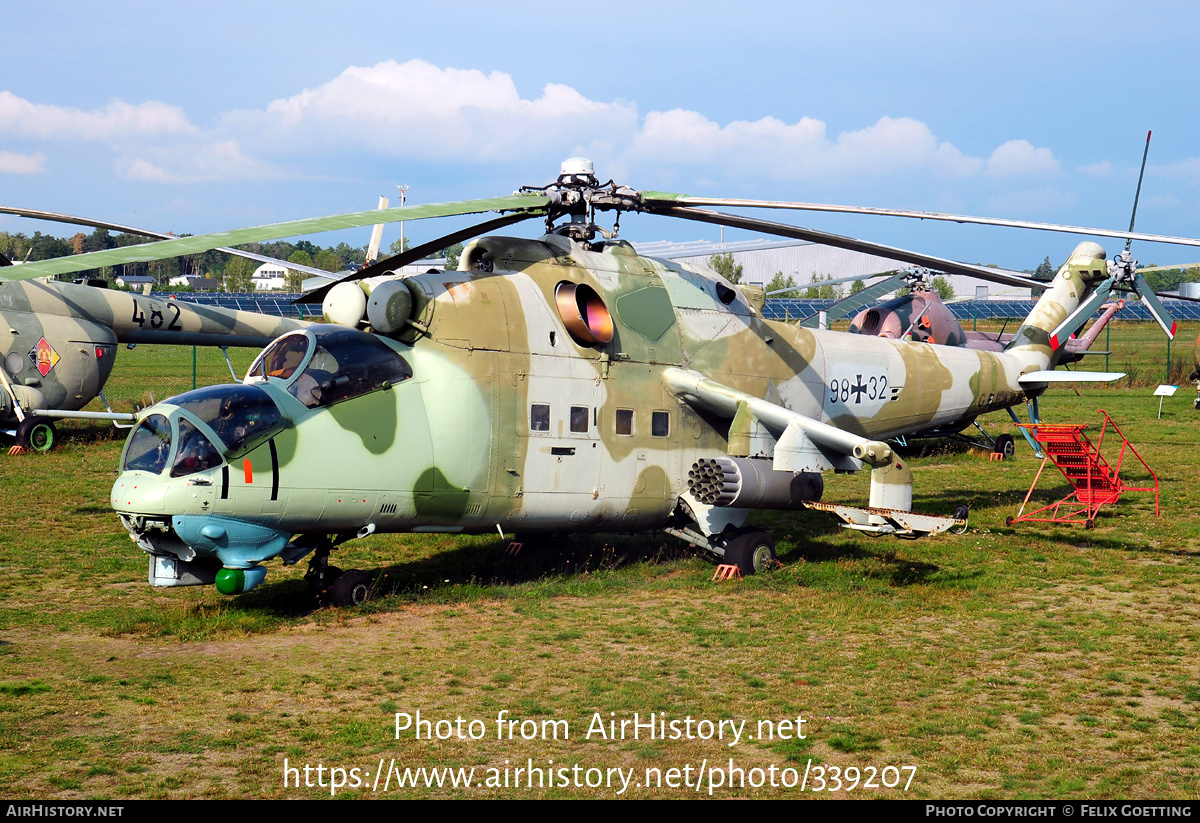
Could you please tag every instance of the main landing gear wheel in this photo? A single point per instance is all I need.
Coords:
(751, 550)
(351, 588)
(36, 434)
(1006, 445)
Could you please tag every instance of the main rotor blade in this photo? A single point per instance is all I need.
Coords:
(415, 253)
(657, 200)
(55, 217)
(1009, 278)
(528, 204)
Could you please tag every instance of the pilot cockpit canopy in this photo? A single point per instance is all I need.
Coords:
(326, 365)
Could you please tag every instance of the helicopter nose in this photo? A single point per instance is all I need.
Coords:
(139, 493)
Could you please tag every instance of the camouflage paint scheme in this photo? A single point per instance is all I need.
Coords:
(451, 449)
(82, 326)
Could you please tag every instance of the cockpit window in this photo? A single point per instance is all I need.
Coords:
(196, 452)
(281, 358)
(238, 414)
(346, 364)
(149, 445)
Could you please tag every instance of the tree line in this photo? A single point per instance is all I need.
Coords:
(234, 273)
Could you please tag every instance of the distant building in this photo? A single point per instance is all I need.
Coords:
(195, 282)
(135, 281)
(269, 277)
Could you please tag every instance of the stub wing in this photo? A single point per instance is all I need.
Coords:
(796, 442)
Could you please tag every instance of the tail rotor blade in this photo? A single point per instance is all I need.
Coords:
(1155, 307)
(1137, 194)
(1082, 312)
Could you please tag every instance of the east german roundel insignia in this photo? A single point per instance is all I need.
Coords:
(43, 356)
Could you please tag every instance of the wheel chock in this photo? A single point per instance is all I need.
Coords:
(17, 450)
(726, 571)
(997, 456)
(514, 548)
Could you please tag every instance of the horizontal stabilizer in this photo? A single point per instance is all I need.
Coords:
(1070, 377)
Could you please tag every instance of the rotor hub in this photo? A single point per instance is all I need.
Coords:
(579, 193)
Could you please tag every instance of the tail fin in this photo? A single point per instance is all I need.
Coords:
(1084, 269)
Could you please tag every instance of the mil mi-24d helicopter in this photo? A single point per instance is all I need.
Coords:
(557, 385)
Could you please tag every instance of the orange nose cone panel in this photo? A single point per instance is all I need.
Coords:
(583, 312)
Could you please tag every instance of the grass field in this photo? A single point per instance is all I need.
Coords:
(1007, 662)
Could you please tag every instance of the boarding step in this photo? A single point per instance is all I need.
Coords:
(1095, 481)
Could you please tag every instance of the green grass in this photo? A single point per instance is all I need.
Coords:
(1036, 660)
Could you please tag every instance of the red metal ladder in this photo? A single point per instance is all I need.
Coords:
(1095, 481)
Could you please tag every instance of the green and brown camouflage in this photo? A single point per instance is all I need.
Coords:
(61, 339)
(546, 385)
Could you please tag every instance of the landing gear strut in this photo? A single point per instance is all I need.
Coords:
(751, 550)
(333, 586)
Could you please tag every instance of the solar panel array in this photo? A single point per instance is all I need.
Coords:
(277, 304)
(281, 305)
(796, 309)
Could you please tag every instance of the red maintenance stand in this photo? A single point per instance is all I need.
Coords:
(1095, 481)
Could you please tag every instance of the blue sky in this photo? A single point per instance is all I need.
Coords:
(199, 117)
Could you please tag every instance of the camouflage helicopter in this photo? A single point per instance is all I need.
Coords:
(555, 385)
(63, 338)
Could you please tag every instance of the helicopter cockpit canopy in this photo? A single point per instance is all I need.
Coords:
(238, 416)
(326, 365)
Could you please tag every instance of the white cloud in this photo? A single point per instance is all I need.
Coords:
(1187, 169)
(424, 113)
(1166, 201)
(117, 120)
(796, 150)
(195, 164)
(416, 109)
(13, 163)
(1044, 200)
(1101, 169)
(1019, 158)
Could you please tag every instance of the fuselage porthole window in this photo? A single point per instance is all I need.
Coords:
(624, 422)
(660, 424)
